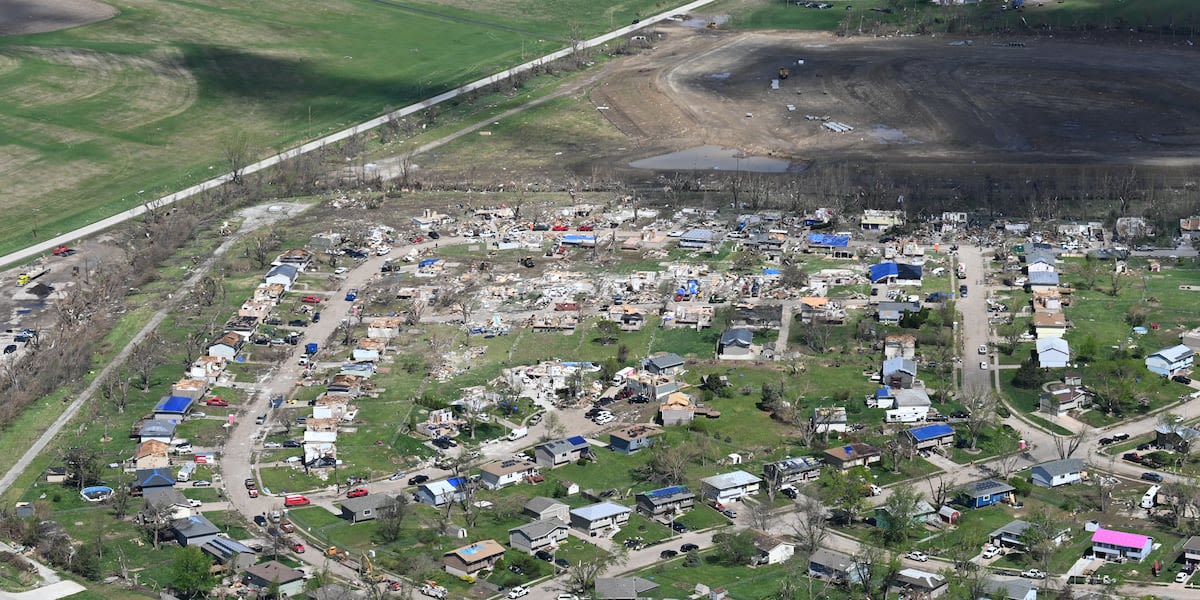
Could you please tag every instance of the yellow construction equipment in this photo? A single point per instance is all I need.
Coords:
(335, 553)
(367, 569)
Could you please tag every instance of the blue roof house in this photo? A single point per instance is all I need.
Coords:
(985, 493)
(1172, 361)
(145, 479)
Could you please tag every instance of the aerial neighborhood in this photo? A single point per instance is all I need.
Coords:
(689, 301)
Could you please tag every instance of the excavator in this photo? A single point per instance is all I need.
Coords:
(366, 568)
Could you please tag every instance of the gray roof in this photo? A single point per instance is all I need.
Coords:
(1193, 544)
(600, 510)
(287, 270)
(904, 365)
(987, 487)
(698, 235)
(1175, 353)
(157, 428)
(665, 361)
(1014, 529)
(1183, 432)
(1009, 589)
(224, 547)
(564, 445)
(618, 588)
(729, 480)
(1043, 278)
(911, 397)
(737, 337)
(832, 559)
(370, 502)
(900, 306)
(540, 504)
(195, 526)
(163, 497)
(539, 528)
(1064, 466)
(1039, 255)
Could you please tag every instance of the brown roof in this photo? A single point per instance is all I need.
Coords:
(1046, 318)
(230, 339)
(857, 449)
(504, 467)
(276, 572)
(636, 432)
(332, 399)
(676, 401)
(386, 322)
(371, 344)
(478, 551)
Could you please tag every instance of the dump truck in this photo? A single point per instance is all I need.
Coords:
(29, 275)
(783, 72)
(335, 553)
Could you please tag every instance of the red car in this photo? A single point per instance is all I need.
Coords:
(418, 239)
(298, 548)
(311, 299)
(586, 228)
(559, 228)
(214, 401)
(252, 492)
(356, 493)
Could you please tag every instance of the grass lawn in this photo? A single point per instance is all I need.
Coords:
(741, 583)
(281, 480)
(639, 526)
(268, 74)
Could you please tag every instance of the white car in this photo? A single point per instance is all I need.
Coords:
(1181, 577)
(983, 365)
(990, 552)
(383, 251)
(340, 270)
(567, 597)
(198, 415)
(917, 556)
(983, 348)
(604, 419)
(192, 502)
(517, 592)
(272, 445)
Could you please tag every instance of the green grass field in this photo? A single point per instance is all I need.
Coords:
(100, 118)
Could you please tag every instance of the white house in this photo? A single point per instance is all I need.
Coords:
(729, 487)
(1053, 353)
(829, 418)
(771, 550)
(1057, 472)
(538, 535)
(908, 406)
(438, 493)
(227, 346)
(503, 473)
(284, 275)
(604, 518)
(1172, 361)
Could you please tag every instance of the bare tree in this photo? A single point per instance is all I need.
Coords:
(1066, 445)
(668, 463)
(581, 577)
(981, 412)
(760, 515)
(939, 489)
(391, 518)
(145, 357)
(154, 521)
(811, 525)
(235, 149)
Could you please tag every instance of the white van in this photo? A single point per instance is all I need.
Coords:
(185, 473)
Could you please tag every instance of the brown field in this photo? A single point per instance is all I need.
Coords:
(917, 100)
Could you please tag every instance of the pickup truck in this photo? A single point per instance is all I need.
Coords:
(1033, 574)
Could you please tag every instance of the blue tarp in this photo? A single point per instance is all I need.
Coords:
(825, 239)
(174, 404)
(929, 432)
(693, 286)
(770, 271)
(883, 271)
(427, 262)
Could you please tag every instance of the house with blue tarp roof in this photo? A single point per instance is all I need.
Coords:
(146, 479)
(931, 436)
(173, 408)
(827, 240)
(889, 272)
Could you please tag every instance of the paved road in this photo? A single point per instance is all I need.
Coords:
(254, 218)
(271, 161)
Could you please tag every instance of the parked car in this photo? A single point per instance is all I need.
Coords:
(1181, 379)
(518, 591)
(983, 348)
(679, 527)
(1033, 574)
(1152, 476)
(207, 483)
(316, 317)
(729, 512)
(418, 479)
(250, 483)
(352, 295)
(791, 493)
(292, 444)
(562, 563)
(983, 365)
(215, 401)
(397, 476)
(357, 493)
(310, 299)
(252, 492)
(1181, 577)
(194, 503)
(1104, 441)
(516, 569)
(298, 548)
(297, 323)
(918, 556)
(689, 548)
(433, 235)
(667, 554)
(990, 552)
(272, 445)
(543, 555)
